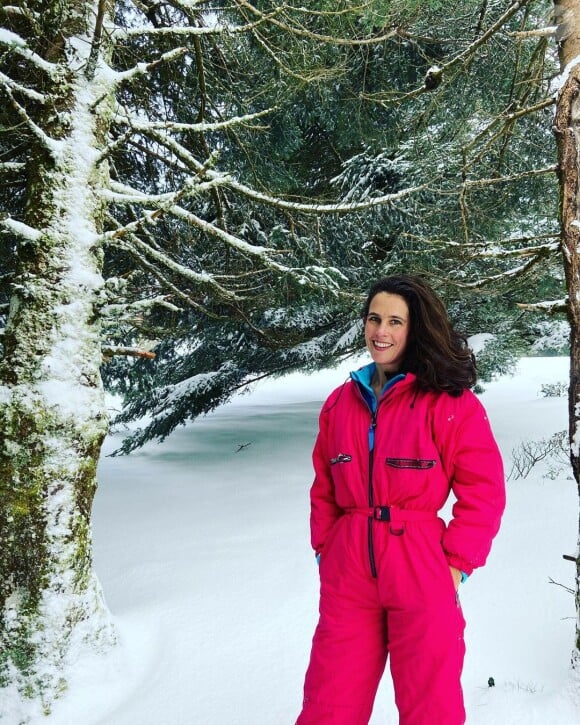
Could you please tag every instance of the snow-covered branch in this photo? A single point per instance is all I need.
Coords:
(137, 246)
(338, 208)
(112, 350)
(162, 278)
(277, 202)
(8, 167)
(551, 307)
(145, 126)
(121, 194)
(20, 46)
(193, 30)
(19, 88)
(544, 249)
(21, 230)
(501, 277)
(145, 68)
(547, 32)
(48, 142)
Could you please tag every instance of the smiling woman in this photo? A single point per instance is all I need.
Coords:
(386, 333)
(392, 444)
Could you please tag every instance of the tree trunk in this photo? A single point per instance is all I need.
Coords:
(567, 132)
(52, 410)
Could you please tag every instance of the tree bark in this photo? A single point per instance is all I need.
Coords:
(567, 132)
(53, 416)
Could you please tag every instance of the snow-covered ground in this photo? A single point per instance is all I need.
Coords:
(203, 552)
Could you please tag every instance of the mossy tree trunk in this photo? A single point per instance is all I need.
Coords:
(567, 131)
(52, 410)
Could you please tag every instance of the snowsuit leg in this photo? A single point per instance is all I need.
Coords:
(410, 611)
(425, 626)
(349, 649)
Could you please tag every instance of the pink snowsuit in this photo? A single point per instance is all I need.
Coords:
(385, 585)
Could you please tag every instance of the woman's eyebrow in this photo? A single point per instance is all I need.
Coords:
(389, 317)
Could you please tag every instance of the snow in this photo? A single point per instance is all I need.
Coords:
(203, 553)
(560, 80)
(478, 342)
(9, 38)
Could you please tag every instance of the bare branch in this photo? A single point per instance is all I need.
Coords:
(457, 60)
(512, 177)
(96, 44)
(304, 33)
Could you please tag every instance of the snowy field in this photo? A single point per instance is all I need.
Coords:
(203, 553)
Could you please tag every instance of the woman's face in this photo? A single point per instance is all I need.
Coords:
(387, 329)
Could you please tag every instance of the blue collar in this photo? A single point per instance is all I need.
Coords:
(363, 378)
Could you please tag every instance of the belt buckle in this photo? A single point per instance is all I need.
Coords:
(382, 513)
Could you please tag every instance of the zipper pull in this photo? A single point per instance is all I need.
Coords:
(372, 432)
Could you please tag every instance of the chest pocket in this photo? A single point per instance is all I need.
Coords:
(420, 464)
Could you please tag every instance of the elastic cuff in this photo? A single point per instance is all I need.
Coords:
(459, 563)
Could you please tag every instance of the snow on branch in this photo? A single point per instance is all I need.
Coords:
(48, 142)
(7, 167)
(551, 307)
(547, 32)
(122, 194)
(339, 208)
(312, 275)
(543, 249)
(21, 230)
(164, 280)
(193, 30)
(139, 248)
(145, 68)
(110, 351)
(28, 92)
(145, 126)
(502, 277)
(19, 45)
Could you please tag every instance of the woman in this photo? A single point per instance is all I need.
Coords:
(393, 442)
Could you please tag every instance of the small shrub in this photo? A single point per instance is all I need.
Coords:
(554, 390)
(554, 450)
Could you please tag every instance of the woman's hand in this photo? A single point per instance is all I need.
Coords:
(456, 574)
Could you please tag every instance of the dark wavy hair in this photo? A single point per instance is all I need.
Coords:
(436, 353)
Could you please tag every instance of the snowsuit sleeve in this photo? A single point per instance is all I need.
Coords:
(473, 462)
(324, 511)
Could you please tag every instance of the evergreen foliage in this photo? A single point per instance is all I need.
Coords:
(354, 103)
